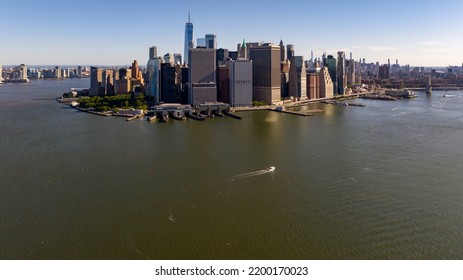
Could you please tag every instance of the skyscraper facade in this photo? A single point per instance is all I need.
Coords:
(341, 73)
(223, 82)
(266, 73)
(211, 41)
(289, 52)
(330, 62)
(221, 55)
(201, 76)
(169, 92)
(297, 78)
(153, 69)
(313, 85)
(177, 58)
(1, 74)
(350, 72)
(188, 38)
(326, 84)
(240, 82)
(282, 51)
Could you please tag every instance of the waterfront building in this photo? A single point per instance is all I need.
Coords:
(240, 82)
(282, 51)
(313, 85)
(266, 74)
(289, 52)
(23, 72)
(341, 73)
(297, 78)
(96, 81)
(326, 84)
(188, 38)
(223, 82)
(1, 74)
(330, 62)
(201, 76)
(177, 58)
(169, 90)
(79, 71)
(211, 41)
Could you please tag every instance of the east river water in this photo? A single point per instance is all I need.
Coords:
(383, 181)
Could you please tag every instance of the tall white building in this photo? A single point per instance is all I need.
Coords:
(240, 82)
(1, 74)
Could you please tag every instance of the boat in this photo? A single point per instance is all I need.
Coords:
(271, 168)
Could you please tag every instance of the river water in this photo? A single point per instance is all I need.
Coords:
(383, 181)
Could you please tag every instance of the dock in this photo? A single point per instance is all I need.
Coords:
(232, 115)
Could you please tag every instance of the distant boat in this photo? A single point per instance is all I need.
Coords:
(271, 168)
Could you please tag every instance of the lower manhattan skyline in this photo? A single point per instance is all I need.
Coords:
(106, 33)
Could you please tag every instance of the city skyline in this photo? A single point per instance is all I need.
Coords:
(105, 33)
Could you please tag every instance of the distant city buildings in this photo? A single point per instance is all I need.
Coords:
(254, 72)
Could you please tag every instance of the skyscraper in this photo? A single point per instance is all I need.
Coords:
(297, 78)
(240, 82)
(330, 62)
(201, 76)
(341, 73)
(188, 38)
(169, 92)
(266, 73)
(1, 74)
(313, 85)
(290, 51)
(211, 41)
(169, 58)
(221, 55)
(153, 69)
(326, 84)
(97, 76)
(350, 72)
(177, 58)
(282, 51)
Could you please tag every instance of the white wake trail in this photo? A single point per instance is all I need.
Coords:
(251, 174)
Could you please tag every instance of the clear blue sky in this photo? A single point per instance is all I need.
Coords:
(114, 32)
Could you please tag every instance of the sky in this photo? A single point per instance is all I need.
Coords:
(116, 32)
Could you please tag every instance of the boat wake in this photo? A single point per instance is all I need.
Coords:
(252, 174)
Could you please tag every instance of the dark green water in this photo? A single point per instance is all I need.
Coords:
(380, 182)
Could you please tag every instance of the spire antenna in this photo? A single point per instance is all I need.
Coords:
(189, 21)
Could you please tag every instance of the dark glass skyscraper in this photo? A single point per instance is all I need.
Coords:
(188, 38)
